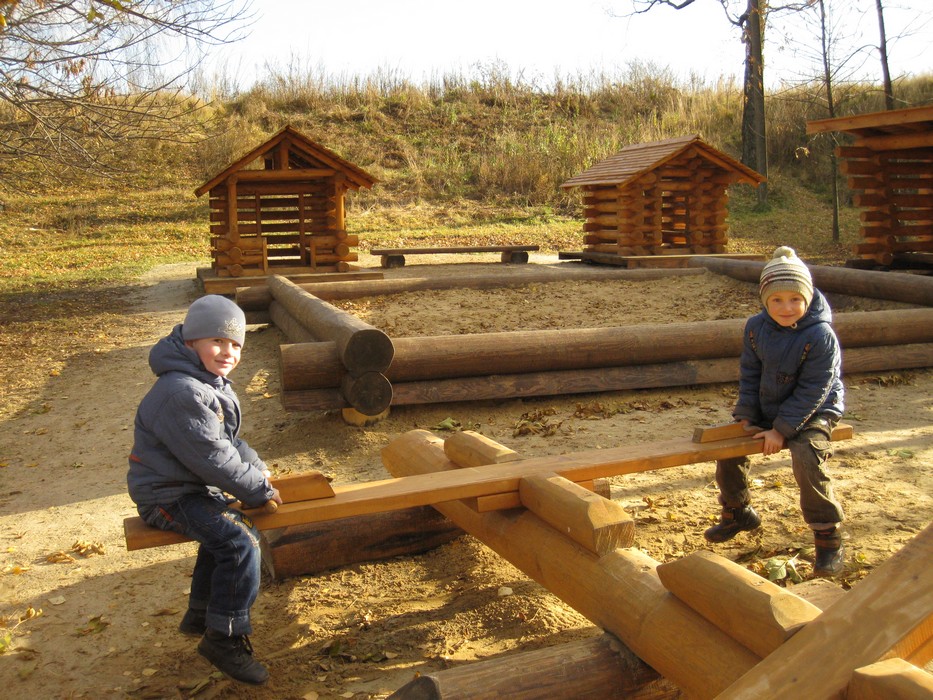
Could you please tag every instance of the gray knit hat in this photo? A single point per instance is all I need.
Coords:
(785, 272)
(214, 316)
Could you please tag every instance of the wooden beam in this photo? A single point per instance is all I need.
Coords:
(361, 347)
(310, 548)
(429, 250)
(258, 297)
(896, 142)
(590, 520)
(292, 488)
(747, 607)
(467, 448)
(893, 286)
(883, 608)
(892, 679)
(284, 175)
(599, 667)
(428, 489)
(722, 432)
(872, 120)
(520, 352)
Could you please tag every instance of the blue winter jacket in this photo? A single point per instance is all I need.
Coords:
(788, 375)
(186, 435)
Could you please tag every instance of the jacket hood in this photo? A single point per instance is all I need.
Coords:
(172, 355)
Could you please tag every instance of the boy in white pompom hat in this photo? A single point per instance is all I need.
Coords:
(187, 455)
(791, 388)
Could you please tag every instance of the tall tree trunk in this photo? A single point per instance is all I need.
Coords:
(754, 141)
(831, 107)
(883, 49)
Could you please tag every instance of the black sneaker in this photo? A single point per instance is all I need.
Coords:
(193, 623)
(732, 522)
(233, 656)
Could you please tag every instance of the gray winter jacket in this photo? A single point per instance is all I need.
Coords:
(186, 435)
(789, 375)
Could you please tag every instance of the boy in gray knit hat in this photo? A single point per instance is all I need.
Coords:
(790, 387)
(187, 455)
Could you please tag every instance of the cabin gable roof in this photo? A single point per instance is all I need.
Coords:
(638, 159)
(303, 153)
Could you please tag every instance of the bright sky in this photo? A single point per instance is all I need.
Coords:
(537, 39)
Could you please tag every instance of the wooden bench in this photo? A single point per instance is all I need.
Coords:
(395, 257)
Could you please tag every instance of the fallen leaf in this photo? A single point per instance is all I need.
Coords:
(86, 549)
(59, 558)
(95, 625)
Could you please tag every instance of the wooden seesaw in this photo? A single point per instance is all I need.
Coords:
(309, 497)
(705, 624)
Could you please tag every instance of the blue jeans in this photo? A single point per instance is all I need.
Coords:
(225, 582)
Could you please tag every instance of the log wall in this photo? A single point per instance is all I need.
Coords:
(894, 189)
(259, 226)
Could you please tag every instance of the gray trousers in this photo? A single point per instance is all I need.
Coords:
(809, 451)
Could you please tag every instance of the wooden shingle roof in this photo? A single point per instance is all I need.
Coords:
(303, 154)
(636, 160)
(890, 130)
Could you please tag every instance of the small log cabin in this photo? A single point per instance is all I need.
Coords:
(889, 168)
(280, 209)
(664, 197)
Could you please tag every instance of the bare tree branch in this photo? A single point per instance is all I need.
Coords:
(82, 80)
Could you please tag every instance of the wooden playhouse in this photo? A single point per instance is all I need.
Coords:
(280, 209)
(889, 168)
(660, 198)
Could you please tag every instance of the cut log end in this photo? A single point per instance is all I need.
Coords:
(353, 417)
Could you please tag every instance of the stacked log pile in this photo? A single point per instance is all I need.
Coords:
(318, 375)
(484, 366)
(320, 368)
(355, 354)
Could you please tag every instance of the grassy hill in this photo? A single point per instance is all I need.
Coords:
(459, 161)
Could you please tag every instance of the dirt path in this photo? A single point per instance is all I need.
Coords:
(107, 626)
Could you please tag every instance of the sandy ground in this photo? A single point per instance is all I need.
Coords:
(82, 617)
